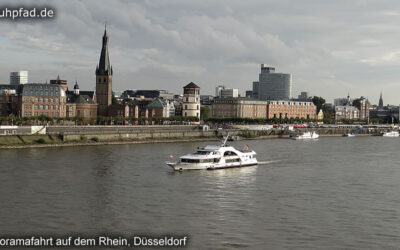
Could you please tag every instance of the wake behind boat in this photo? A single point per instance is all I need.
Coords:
(215, 157)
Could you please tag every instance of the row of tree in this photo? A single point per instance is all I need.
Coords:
(237, 120)
(101, 120)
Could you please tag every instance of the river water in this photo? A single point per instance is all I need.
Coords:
(333, 193)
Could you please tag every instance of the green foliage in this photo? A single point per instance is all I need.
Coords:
(236, 120)
(83, 138)
(40, 141)
(205, 113)
(319, 102)
(248, 134)
(329, 117)
(375, 120)
(95, 139)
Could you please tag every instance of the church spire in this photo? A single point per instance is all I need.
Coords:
(380, 101)
(104, 67)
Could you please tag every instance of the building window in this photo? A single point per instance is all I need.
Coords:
(185, 106)
(198, 107)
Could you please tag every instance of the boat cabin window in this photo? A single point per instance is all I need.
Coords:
(201, 152)
(190, 160)
(230, 153)
(232, 160)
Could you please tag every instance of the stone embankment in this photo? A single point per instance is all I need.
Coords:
(279, 133)
(99, 135)
(94, 135)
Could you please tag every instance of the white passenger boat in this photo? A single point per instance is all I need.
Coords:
(215, 157)
(305, 135)
(349, 135)
(391, 134)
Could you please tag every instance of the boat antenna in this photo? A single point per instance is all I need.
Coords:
(226, 139)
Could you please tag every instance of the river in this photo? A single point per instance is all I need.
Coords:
(333, 193)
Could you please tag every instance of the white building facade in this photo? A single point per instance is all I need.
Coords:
(191, 100)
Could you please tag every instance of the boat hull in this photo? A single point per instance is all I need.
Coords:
(232, 166)
(181, 167)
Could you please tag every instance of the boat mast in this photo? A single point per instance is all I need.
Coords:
(226, 139)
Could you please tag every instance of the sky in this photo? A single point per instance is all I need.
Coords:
(331, 48)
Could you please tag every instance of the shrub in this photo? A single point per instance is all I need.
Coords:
(95, 139)
(83, 138)
(40, 141)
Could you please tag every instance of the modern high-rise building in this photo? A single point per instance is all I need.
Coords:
(222, 91)
(271, 85)
(19, 77)
(104, 73)
(218, 90)
(304, 96)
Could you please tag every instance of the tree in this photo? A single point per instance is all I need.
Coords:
(319, 102)
(205, 113)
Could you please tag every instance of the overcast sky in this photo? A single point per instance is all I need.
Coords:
(330, 47)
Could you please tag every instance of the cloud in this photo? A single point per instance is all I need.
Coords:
(329, 47)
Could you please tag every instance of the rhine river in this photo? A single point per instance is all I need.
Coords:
(333, 193)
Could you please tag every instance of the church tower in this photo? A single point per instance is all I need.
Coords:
(104, 74)
(380, 101)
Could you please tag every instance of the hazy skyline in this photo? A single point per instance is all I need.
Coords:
(330, 48)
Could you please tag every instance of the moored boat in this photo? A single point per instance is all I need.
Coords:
(391, 134)
(305, 135)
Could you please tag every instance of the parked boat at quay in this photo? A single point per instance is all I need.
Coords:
(214, 157)
(304, 135)
(391, 133)
(352, 134)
